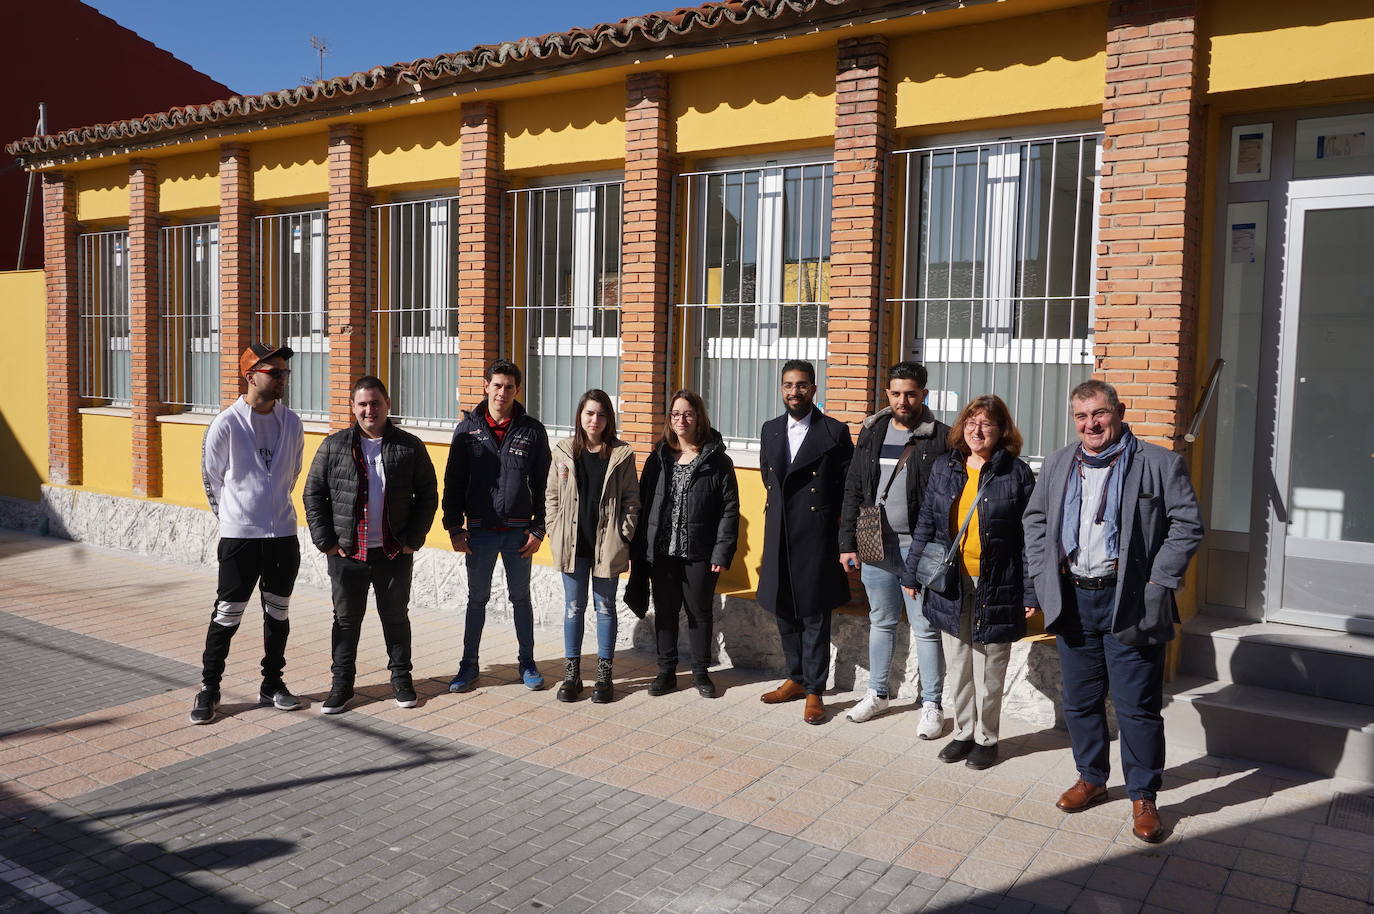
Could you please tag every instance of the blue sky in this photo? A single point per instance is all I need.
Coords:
(256, 46)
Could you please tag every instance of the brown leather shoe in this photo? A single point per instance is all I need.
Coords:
(1145, 823)
(814, 713)
(788, 691)
(1081, 796)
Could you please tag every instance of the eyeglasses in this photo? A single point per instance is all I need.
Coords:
(800, 385)
(973, 424)
(683, 416)
(276, 374)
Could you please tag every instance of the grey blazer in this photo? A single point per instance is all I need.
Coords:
(1158, 538)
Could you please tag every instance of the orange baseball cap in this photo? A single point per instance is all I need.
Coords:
(260, 352)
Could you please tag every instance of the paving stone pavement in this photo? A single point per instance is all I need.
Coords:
(506, 800)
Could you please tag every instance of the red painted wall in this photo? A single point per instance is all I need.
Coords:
(89, 70)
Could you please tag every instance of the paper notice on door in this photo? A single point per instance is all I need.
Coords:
(1340, 145)
(1243, 242)
(1250, 154)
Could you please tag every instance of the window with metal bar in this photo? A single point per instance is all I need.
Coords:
(996, 279)
(189, 331)
(415, 326)
(564, 317)
(102, 264)
(292, 252)
(755, 287)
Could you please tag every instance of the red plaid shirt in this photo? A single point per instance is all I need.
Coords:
(390, 546)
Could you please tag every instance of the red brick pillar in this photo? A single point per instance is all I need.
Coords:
(346, 284)
(863, 141)
(1151, 211)
(645, 308)
(479, 248)
(64, 352)
(144, 226)
(237, 303)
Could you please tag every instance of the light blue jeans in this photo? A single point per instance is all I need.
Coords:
(486, 546)
(575, 587)
(886, 600)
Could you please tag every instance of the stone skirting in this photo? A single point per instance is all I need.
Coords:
(746, 635)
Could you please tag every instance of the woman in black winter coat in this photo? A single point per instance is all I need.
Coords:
(991, 595)
(688, 532)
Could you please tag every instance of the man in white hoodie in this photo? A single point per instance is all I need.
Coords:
(251, 459)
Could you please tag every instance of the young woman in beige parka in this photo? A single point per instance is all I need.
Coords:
(592, 506)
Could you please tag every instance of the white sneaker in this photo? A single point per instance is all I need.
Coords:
(869, 707)
(932, 721)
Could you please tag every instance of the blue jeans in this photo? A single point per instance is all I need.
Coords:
(886, 600)
(486, 545)
(1092, 663)
(575, 587)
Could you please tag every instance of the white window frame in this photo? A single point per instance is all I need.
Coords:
(272, 245)
(180, 305)
(95, 311)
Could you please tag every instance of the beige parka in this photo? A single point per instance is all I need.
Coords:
(616, 521)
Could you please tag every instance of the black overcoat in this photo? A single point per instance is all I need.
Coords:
(801, 528)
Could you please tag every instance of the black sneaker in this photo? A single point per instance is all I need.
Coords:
(705, 687)
(956, 750)
(337, 701)
(664, 682)
(204, 707)
(278, 696)
(982, 757)
(403, 690)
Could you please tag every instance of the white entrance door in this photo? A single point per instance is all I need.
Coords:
(1321, 566)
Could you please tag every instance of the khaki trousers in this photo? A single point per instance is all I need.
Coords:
(974, 677)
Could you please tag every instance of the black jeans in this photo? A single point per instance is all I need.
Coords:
(679, 584)
(390, 581)
(1092, 662)
(271, 566)
(805, 637)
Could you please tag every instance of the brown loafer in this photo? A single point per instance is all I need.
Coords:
(1081, 796)
(814, 713)
(788, 691)
(1145, 823)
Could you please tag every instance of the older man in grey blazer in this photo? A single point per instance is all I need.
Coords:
(1110, 530)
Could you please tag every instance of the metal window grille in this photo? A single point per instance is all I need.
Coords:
(292, 252)
(102, 263)
(996, 279)
(189, 271)
(564, 316)
(756, 286)
(416, 318)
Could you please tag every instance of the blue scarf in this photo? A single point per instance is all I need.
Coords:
(1117, 459)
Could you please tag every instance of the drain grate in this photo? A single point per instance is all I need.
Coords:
(1353, 812)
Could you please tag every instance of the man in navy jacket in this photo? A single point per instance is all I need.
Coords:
(498, 465)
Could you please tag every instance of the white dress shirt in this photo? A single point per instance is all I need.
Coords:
(796, 434)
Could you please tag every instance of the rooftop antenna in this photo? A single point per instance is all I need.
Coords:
(320, 45)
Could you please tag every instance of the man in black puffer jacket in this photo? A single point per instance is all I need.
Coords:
(370, 499)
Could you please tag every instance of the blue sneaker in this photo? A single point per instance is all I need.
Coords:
(531, 677)
(465, 679)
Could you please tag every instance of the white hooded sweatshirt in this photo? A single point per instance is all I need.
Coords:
(251, 500)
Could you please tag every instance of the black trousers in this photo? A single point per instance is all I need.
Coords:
(805, 637)
(389, 579)
(678, 585)
(269, 565)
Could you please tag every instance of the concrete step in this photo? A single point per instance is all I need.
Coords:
(1288, 658)
(1333, 738)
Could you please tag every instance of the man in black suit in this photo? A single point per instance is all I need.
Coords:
(804, 459)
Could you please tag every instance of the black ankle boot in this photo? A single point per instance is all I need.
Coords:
(705, 687)
(572, 680)
(603, 691)
(664, 682)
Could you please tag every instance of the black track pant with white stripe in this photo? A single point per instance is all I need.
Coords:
(271, 566)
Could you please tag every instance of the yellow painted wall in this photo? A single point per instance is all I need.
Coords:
(413, 151)
(567, 129)
(102, 194)
(23, 416)
(290, 168)
(107, 454)
(1010, 68)
(1274, 44)
(784, 100)
(181, 483)
(188, 182)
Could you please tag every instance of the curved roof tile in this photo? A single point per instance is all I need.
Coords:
(576, 43)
